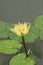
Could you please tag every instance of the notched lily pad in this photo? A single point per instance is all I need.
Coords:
(20, 59)
(9, 46)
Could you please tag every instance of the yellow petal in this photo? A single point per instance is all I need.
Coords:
(21, 28)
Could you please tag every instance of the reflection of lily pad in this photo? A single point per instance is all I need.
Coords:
(21, 60)
(33, 34)
(39, 22)
(4, 29)
(9, 46)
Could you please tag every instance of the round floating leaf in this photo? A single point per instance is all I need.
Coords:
(32, 34)
(15, 37)
(39, 22)
(4, 29)
(21, 60)
(9, 46)
(17, 60)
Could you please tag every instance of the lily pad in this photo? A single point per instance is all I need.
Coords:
(39, 22)
(13, 36)
(32, 34)
(9, 46)
(4, 29)
(20, 59)
(41, 35)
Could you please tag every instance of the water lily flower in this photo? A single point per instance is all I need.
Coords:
(21, 29)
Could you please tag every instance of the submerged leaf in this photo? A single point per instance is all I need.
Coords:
(9, 46)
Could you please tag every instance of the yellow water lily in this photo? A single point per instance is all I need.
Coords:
(21, 29)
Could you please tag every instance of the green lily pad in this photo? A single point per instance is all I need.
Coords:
(13, 36)
(32, 34)
(9, 46)
(4, 29)
(41, 35)
(39, 22)
(20, 59)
